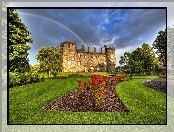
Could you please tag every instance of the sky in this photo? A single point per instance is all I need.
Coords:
(124, 29)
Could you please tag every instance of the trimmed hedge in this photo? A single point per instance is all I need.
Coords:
(17, 79)
(63, 75)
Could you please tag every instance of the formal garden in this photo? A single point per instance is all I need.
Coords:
(88, 98)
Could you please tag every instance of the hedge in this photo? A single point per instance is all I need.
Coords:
(17, 79)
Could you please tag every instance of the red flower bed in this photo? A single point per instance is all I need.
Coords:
(97, 86)
(98, 94)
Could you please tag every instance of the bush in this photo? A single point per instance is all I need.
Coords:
(28, 77)
(23, 78)
(63, 75)
(42, 76)
(35, 77)
(162, 75)
(83, 75)
(16, 78)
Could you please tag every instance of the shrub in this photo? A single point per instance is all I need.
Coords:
(35, 77)
(16, 78)
(23, 78)
(41, 76)
(162, 75)
(63, 75)
(83, 74)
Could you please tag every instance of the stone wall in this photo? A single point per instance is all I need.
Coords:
(79, 60)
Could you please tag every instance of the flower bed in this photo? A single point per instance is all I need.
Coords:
(96, 95)
(157, 84)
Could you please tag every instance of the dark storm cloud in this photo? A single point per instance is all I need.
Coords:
(141, 25)
(121, 28)
(92, 26)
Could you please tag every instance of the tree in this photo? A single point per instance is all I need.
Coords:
(160, 44)
(124, 61)
(150, 62)
(140, 60)
(121, 60)
(18, 47)
(50, 60)
(136, 63)
(126, 56)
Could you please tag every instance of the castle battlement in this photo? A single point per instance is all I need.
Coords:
(76, 60)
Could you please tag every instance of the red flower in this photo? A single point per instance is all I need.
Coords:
(101, 80)
(94, 82)
(101, 90)
(81, 85)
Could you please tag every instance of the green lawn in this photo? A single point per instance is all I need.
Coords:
(145, 77)
(146, 105)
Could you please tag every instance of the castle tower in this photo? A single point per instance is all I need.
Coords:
(69, 56)
(110, 59)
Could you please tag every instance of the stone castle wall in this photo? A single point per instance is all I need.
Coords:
(79, 60)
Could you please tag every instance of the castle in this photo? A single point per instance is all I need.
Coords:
(78, 60)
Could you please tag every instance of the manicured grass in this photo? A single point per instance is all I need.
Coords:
(146, 105)
(145, 77)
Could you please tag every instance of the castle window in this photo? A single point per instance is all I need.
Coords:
(85, 56)
(69, 62)
(79, 55)
(79, 63)
(111, 56)
(98, 68)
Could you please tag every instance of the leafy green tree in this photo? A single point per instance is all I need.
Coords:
(121, 60)
(126, 57)
(136, 60)
(160, 44)
(149, 60)
(140, 60)
(50, 60)
(18, 47)
(124, 60)
(34, 68)
(170, 45)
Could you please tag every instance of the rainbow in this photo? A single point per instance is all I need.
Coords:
(54, 21)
